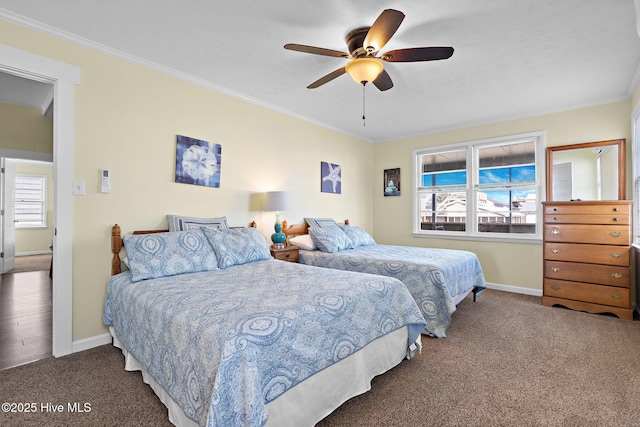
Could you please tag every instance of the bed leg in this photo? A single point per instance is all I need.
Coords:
(476, 292)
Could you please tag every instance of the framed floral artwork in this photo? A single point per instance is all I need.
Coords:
(331, 181)
(392, 182)
(198, 162)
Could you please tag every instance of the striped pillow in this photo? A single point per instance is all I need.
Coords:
(183, 223)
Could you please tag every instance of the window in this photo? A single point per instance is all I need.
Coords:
(490, 188)
(31, 201)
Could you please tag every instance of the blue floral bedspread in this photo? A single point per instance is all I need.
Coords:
(433, 276)
(225, 343)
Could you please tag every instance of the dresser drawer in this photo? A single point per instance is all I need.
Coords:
(596, 254)
(582, 233)
(613, 219)
(587, 292)
(589, 273)
(582, 208)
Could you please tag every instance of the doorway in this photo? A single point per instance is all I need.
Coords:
(26, 232)
(64, 77)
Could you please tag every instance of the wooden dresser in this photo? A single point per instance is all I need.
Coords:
(587, 256)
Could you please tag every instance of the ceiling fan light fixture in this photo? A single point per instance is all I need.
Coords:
(364, 70)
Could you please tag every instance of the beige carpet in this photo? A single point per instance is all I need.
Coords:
(507, 361)
(31, 263)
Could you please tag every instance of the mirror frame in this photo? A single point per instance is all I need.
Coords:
(622, 155)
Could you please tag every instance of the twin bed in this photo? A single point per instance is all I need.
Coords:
(227, 336)
(438, 279)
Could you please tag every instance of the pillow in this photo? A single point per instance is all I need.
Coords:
(321, 222)
(331, 239)
(237, 246)
(183, 223)
(358, 236)
(167, 254)
(303, 241)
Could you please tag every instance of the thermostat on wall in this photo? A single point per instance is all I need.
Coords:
(106, 183)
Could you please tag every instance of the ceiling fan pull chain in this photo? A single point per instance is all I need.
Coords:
(364, 123)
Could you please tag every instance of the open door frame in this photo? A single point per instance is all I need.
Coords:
(8, 214)
(63, 77)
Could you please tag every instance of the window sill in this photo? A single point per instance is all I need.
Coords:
(446, 236)
(39, 227)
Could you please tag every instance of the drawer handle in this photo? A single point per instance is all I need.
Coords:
(616, 234)
(616, 254)
(287, 255)
(616, 275)
(555, 231)
(555, 218)
(555, 209)
(615, 209)
(555, 269)
(616, 219)
(555, 250)
(555, 287)
(616, 296)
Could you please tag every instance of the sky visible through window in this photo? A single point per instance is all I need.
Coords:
(499, 176)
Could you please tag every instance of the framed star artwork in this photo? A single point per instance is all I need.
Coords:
(197, 162)
(331, 181)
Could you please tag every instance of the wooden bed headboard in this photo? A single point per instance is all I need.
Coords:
(117, 243)
(298, 229)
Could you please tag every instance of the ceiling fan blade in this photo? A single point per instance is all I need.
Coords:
(417, 54)
(383, 81)
(327, 78)
(316, 50)
(382, 29)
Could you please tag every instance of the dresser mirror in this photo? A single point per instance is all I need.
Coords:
(588, 171)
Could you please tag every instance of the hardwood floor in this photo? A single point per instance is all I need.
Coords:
(25, 318)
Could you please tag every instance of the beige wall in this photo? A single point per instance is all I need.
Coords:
(508, 264)
(28, 130)
(37, 240)
(25, 129)
(126, 120)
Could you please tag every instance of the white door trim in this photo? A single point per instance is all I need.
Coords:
(64, 77)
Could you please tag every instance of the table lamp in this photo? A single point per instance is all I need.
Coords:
(277, 201)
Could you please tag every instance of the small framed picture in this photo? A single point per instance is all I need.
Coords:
(198, 162)
(392, 182)
(331, 178)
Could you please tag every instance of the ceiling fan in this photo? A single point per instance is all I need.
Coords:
(364, 43)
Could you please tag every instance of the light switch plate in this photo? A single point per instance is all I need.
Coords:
(78, 188)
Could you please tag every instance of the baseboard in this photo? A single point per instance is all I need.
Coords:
(91, 342)
(33, 253)
(515, 289)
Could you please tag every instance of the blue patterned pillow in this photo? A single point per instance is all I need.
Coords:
(183, 223)
(167, 254)
(358, 236)
(237, 246)
(330, 239)
(321, 222)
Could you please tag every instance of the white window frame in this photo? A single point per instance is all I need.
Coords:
(472, 148)
(43, 204)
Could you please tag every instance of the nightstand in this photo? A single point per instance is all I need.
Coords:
(288, 253)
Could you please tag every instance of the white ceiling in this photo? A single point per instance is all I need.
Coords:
(27, 93)
(512, 58)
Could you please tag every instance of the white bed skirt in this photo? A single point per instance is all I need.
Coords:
(316, 397)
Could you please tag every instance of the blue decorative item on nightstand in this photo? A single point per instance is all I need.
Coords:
(278, 201)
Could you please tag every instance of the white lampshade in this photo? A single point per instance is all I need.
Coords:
(277, 201)
(364, 69)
